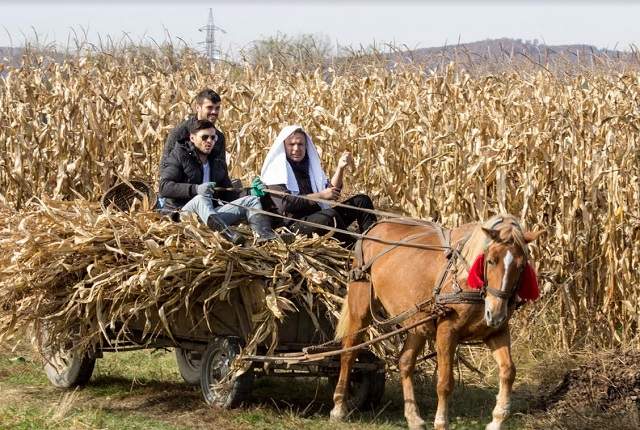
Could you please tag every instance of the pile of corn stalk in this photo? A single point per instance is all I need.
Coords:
(84, 273)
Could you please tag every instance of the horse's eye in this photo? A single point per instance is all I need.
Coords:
(491, 262)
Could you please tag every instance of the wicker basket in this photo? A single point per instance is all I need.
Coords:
(122, 195)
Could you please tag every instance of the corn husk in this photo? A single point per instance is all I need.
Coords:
(85, 276)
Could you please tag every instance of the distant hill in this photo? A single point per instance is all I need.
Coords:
(516, 51)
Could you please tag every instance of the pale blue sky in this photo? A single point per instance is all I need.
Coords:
(416, 24)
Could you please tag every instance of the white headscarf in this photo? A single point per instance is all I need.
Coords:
(276, 170)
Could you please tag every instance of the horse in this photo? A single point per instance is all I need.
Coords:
(421, 266)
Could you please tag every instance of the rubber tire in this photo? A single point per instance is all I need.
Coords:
(69, 371)
(190, 369)
(365, 389)
(216, 362)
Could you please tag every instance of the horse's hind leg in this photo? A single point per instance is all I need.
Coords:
(407, 363)
(500, 345)
(355, 316)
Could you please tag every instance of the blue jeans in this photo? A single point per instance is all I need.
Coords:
(229, 213)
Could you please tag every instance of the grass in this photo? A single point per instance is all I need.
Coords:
(143, 390)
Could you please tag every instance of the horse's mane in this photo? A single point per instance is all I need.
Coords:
(509, 228)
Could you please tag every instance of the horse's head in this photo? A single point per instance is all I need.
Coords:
(505, 258)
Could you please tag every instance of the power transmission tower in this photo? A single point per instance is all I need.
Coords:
(210, 41)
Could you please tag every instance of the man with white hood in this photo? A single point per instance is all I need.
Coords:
(293, 166)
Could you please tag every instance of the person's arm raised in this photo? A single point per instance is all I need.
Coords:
(338, 177)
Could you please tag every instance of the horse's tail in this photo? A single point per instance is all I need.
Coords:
(345, 320)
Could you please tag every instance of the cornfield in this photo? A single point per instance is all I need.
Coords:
(562, 152)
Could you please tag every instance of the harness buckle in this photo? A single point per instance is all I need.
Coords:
(357, 274)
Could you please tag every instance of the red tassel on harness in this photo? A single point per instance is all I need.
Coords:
(528, 281)
(529, 284)
(476, 273)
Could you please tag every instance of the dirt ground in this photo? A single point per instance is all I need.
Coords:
(602, 392)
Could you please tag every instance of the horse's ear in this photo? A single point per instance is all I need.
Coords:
(530, 236)
(492, 234)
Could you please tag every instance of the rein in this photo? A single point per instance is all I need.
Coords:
(398, 220)
(361, 271)
(459, 296)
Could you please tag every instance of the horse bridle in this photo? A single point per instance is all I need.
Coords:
(486, 289)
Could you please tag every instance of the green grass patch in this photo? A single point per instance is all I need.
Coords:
(144, 390)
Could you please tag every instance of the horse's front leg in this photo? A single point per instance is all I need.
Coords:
(500, 345)
(446, 344)
(407, 363)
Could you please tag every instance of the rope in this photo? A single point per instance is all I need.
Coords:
(303, 357)
(342, 231)
(380, 325)
(333, 203)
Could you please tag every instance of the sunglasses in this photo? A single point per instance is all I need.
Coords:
(208, 136)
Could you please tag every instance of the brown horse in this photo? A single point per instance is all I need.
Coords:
(403, 276)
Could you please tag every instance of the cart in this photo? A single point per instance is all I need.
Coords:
(206, 347)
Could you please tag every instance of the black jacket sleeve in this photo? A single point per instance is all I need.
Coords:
(173, 182)
(290, 205)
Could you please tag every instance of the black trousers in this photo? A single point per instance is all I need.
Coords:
(340, 218)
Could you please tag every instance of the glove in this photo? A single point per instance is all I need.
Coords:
(205, 189)
(258, 187)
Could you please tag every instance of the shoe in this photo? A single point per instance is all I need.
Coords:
(261, 226)
(216, 224)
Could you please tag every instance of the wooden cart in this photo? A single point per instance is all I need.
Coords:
(205, 352)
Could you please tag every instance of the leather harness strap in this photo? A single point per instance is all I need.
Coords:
(361, 269)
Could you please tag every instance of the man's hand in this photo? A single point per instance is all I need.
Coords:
(345, 160)
(205, 189)
(331, 193)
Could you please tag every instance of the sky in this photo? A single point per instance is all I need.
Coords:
(414, 24)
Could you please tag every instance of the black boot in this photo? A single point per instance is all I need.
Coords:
(215, 223)
(261, 226)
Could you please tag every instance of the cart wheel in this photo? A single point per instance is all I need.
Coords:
(366, 388)
(66, 369)
(189, 364)
(216, 363)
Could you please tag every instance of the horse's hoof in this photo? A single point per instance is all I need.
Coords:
(441, 426)
(336, 415)
(418, 424)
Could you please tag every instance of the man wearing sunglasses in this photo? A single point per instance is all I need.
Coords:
(189, 176)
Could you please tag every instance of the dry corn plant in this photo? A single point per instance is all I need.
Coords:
(91, 277)
(560, 151)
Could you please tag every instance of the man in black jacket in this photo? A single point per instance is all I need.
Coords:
(189, 174)
(208, 105)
